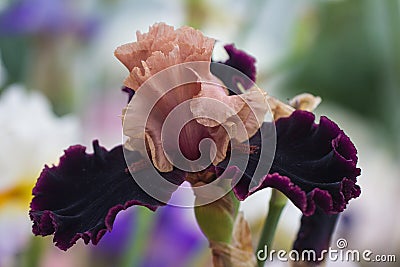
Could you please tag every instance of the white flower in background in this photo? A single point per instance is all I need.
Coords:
(30, 134)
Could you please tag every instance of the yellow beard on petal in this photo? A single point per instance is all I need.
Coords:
(20, 194)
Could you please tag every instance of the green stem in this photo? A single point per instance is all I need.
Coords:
(139, 238)
(276, 205)
(32, 256)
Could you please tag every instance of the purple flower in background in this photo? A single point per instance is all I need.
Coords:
(171, 241)
(115, 243)
(51, 17)
(175, 239)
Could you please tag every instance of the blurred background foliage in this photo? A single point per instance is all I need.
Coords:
(346, 51)
(349, 53)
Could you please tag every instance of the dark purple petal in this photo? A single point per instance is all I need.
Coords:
(243, 63)
(81, 196)
(315, 233)
(129, 91)
(314, 165)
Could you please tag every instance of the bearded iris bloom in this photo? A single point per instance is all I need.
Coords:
(314, 164)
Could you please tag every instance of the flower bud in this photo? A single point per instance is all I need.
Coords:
(216, 219)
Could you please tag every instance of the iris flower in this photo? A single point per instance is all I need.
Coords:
(314, 164)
